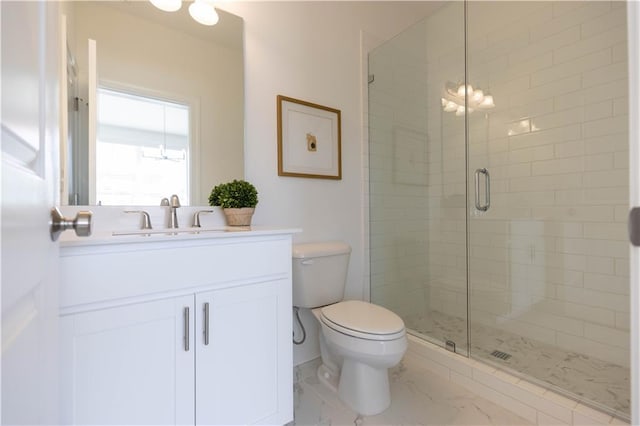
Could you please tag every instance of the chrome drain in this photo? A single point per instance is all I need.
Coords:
(502, 355)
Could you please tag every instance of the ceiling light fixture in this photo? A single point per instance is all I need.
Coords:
(453, 99)
(167, 5)
(203, 12)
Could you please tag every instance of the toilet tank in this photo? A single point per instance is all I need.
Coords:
(319, 273)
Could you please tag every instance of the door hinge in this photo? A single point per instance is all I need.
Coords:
(450, 345)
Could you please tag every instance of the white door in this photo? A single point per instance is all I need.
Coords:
(129, 364)
(30, 127)
(238, 370)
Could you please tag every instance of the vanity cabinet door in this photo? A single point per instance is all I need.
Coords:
(243, 366)
(129, 364)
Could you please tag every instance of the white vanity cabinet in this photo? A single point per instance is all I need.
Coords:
(127, 365)
(210, 345)
(237, 376)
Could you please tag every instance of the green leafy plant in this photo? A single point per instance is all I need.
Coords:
(236, 194)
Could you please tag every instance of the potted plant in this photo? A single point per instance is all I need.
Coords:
(238, 200)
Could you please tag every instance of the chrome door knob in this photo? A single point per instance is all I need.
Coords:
(81, 224)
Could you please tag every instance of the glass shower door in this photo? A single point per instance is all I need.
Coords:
(417, 178)
(548, 194)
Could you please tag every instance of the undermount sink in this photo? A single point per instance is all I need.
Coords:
(177, 231)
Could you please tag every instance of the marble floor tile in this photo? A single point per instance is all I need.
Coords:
(594, 381)
(418, 397)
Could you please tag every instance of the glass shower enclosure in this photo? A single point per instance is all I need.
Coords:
(498, 159)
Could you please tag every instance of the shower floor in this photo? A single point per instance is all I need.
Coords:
(602, 383)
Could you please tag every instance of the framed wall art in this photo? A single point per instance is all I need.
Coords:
(309, 142)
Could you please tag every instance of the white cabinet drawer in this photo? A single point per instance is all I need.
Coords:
(137, 270)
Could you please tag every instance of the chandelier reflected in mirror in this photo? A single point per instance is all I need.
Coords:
(453, 99)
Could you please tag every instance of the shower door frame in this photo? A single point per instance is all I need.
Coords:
(633, 20)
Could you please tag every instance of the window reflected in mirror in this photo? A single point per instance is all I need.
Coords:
(142, 149)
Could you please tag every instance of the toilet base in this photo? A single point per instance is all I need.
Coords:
(328, 378)
(364, 388)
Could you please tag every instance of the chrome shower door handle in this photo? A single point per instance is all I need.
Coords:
(487, 189)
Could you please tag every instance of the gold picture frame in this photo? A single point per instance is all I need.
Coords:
(309, 140)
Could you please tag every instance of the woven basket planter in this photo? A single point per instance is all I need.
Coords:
(239, 217)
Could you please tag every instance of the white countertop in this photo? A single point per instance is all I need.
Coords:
(101, 238)
(112, 226)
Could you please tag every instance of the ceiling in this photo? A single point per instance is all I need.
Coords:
(225, 32)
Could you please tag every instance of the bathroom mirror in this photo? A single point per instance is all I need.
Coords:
(164, 105)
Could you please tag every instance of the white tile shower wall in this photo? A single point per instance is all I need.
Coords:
(415, 260)
(549, 259)
(398, 195)
(543, 258)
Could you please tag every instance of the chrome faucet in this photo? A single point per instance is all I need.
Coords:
(196, 217)
(174, 204)
(146, 220)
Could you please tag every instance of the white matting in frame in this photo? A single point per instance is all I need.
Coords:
(309, 142)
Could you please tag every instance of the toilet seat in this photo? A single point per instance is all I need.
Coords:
(363, 320)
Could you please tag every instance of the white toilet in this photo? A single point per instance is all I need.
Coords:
(359, 341)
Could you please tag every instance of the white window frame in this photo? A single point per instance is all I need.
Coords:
(193, 164)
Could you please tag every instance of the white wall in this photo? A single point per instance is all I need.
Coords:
(312, 51)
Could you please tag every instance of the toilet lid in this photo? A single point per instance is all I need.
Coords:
(362, 319)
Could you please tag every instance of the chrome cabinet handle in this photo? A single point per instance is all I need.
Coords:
(487, 188)
(81, 224)
(186, 329)
(205, 329)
